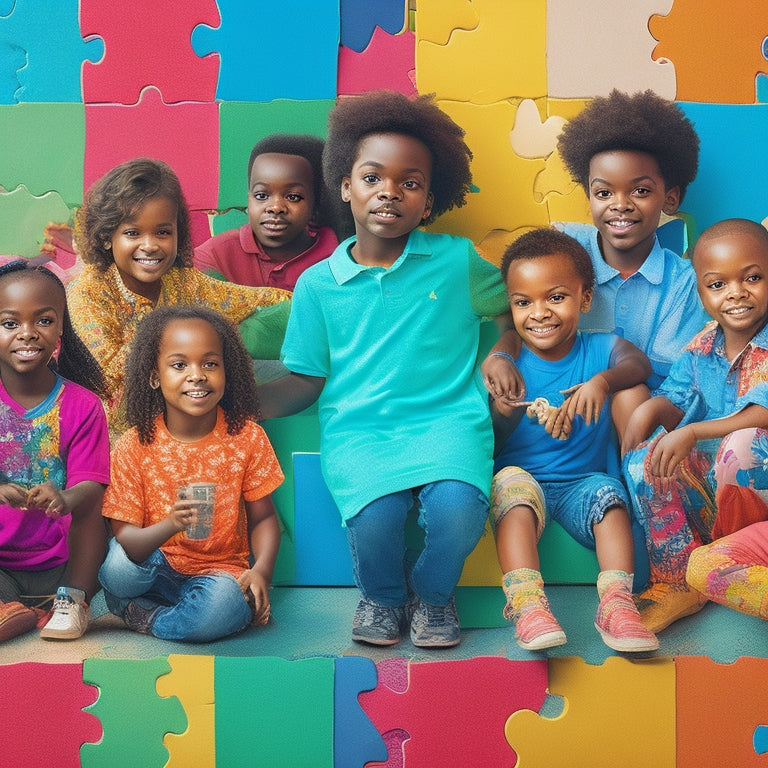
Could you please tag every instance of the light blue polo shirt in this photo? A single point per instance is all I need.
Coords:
(403, 404)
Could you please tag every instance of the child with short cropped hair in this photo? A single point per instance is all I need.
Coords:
(554, 465)
(192, 403)
(703, 472)
(386, 333)
(135, 240)
(290, 218)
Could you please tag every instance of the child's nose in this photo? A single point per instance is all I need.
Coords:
(389, 189)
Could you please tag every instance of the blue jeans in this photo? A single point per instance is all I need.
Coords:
(452, 515)
(194, 609)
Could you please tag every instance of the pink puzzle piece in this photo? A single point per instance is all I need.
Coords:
(147, 43)
(455, 711)
(387, 62)
(186, 136)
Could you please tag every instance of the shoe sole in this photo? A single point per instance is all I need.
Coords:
(629, 644)
(547, 640)
(375, 640)
(53, 634)
(436, 643)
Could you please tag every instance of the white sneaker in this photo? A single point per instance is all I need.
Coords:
(69, 617)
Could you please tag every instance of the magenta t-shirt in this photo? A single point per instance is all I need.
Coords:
(64, 439)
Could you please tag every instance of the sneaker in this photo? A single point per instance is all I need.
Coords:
(536, 628)
(16, 619)
(435, 626)
(377, 624)
(138, 618)
(662, 604)
(70, 616)
(619, 624)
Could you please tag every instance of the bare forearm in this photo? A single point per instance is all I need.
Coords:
(752, 416)
(140, 543)
(289, 395)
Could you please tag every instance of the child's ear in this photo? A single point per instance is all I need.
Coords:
(671, 201)
(345, 193)
(154, 380)
(586, 300)
(428, 206)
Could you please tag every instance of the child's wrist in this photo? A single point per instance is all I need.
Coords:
(505, 355)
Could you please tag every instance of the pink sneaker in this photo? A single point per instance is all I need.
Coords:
(619, 624)
(536, 628)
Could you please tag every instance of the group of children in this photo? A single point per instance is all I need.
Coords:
(382, 330)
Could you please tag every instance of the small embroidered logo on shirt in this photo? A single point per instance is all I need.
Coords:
(432, 295)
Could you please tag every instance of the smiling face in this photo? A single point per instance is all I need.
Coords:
(732, 279)
(546, 296)
(626, 198)
(144, 246)
(281, 202)
(388, 191)
(190, 374)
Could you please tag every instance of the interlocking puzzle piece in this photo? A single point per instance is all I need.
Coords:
(455, 711)
(531, 136)
(355, 740)
(296, 42)
(292, 711)
(732, 696)
(191, 682)
(39, 157)
(620, 713)
(12, 59)
(134, 718)
(502, 57)
(41, 706)
(578, 45)
(145, 46)
(696, 33)
(760, 739)
(436, 22)
(48, 34)
(183, 135)
(360, 18)
(387, 62)
(23, 218)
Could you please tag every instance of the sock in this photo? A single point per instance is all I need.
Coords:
(524, 588)
(73, 593)
(606, 578)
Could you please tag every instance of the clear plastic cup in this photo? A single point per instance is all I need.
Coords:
(203, 496)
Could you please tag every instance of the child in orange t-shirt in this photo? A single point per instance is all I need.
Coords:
(192, 403)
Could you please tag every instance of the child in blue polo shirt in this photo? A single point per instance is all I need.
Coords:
(386, 333)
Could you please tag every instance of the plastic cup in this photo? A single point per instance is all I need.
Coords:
(203, 495)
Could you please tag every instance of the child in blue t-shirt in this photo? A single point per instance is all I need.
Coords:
(386, 333)
(552, 463)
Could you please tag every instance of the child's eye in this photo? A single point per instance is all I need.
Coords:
(411, 184)
(178, 365)
(9, 325)
(754, 278)
(521, 302)
(715, 285)
(165, 232)
(130, 233)
(45, 321)
(260, 195)
(602, 194)
(210, 365)
(642, 191)
(294, 198)
(370, 178)
(556, 298)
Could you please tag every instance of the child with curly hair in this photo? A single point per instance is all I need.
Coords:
(192, 404)
(289, 217)
(385, 333)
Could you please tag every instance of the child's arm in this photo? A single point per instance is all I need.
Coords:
(264, 537)
(56, 503)
(289, 395)
(505, 418)
(648, 416)
(13, 494)
(500, 374)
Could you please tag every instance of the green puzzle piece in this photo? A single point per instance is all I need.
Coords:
(133, 716)
(23, 219)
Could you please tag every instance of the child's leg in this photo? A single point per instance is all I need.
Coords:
(87, 543)
(733, 571)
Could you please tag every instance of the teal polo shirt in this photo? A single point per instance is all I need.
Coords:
(403, 404)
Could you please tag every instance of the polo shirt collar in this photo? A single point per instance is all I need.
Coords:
(652, 269)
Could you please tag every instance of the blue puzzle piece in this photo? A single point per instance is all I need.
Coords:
(12, 59)
(48, 34)
(359, 18)
(356, 741)
(760, 739)
(761, 88)
(268, 51)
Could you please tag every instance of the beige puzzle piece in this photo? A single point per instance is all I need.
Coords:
(437, 19)
(531, 136)
(621, 713)
(594, 46)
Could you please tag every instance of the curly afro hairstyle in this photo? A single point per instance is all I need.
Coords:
(119, 195)
(643, 122)
(545, 241)
(75, 361)
(356, 117)
(240, 401)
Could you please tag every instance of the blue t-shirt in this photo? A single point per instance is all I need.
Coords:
(584, 452)
(403, 404)
(658, 308)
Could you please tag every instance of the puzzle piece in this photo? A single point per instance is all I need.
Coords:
(191, 681)
(454, 711)
(134, 718)
(297, 43)
(23, 218)
(41, 707)
(582, 36)
(734, 696)
(183, 135)
(360, 19)
(760, 739)
(503, 57)
(530, 136)
(620, 713)
(48, 34)
(12, 59)
(146, 47)
(697, 33)
(388, 62)
(292, 711)
(436, 22)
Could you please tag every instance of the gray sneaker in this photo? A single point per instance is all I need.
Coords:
(377, 624)
(435, 626)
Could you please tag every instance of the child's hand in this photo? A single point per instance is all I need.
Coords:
(668, 453)
(48, 498)
(13, 495)
(183, 514)
(586, 400)
(256, 591)
(502, 379)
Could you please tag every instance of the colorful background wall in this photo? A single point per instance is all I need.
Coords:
(85, 85)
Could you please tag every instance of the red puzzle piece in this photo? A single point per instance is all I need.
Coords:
(148, 43)
(455, 711)
(41, 709)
